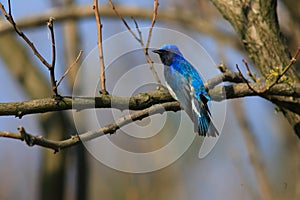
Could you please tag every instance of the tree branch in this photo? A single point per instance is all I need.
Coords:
(75, 139)
(52, 67)
(137, 102)
(38, 140)
(69, 68)
(100, 46)
(143, 100)
(16, 28)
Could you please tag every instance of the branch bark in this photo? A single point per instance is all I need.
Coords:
(145, 100)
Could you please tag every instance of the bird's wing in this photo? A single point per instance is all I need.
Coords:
(205, 124)
(200, 113)
(177, 86)
(188, 93)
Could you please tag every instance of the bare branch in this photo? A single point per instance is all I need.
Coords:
(139, 38)
(111, 4)
(138, 102)
(143, 100)
(127, 119)
(32, 140)
(69, 68)
(155, 7)
(149, 60)
(52, 67)
(51, 28)
(100, 46)
(38, 140)
(245, 80)
(249, 73)
(22, 35)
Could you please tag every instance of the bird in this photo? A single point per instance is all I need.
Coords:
(186, 86)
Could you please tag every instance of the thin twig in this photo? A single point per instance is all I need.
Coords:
(100, 47)
(127, 119)
(52, 68)
(149, 60)
(155, 7)
(69, 68)
(139, 38)
(111, 4)
(51, 28)
(292, 61)
(22, 35)
(9, 9)
(246, 81)
(249, 71)
(278, 77)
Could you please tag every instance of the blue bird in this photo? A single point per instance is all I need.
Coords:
(186, 86)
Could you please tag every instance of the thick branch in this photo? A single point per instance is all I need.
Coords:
(137, 102)
(140, 101)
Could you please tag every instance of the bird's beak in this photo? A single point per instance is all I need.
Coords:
(158, 51)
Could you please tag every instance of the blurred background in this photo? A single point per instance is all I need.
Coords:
(255, 158)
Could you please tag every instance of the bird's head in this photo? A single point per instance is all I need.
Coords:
(167, 53)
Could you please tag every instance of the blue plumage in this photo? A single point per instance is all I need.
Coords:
(185, 85)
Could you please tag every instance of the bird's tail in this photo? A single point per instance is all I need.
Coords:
(205, 125)
(202, 118)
